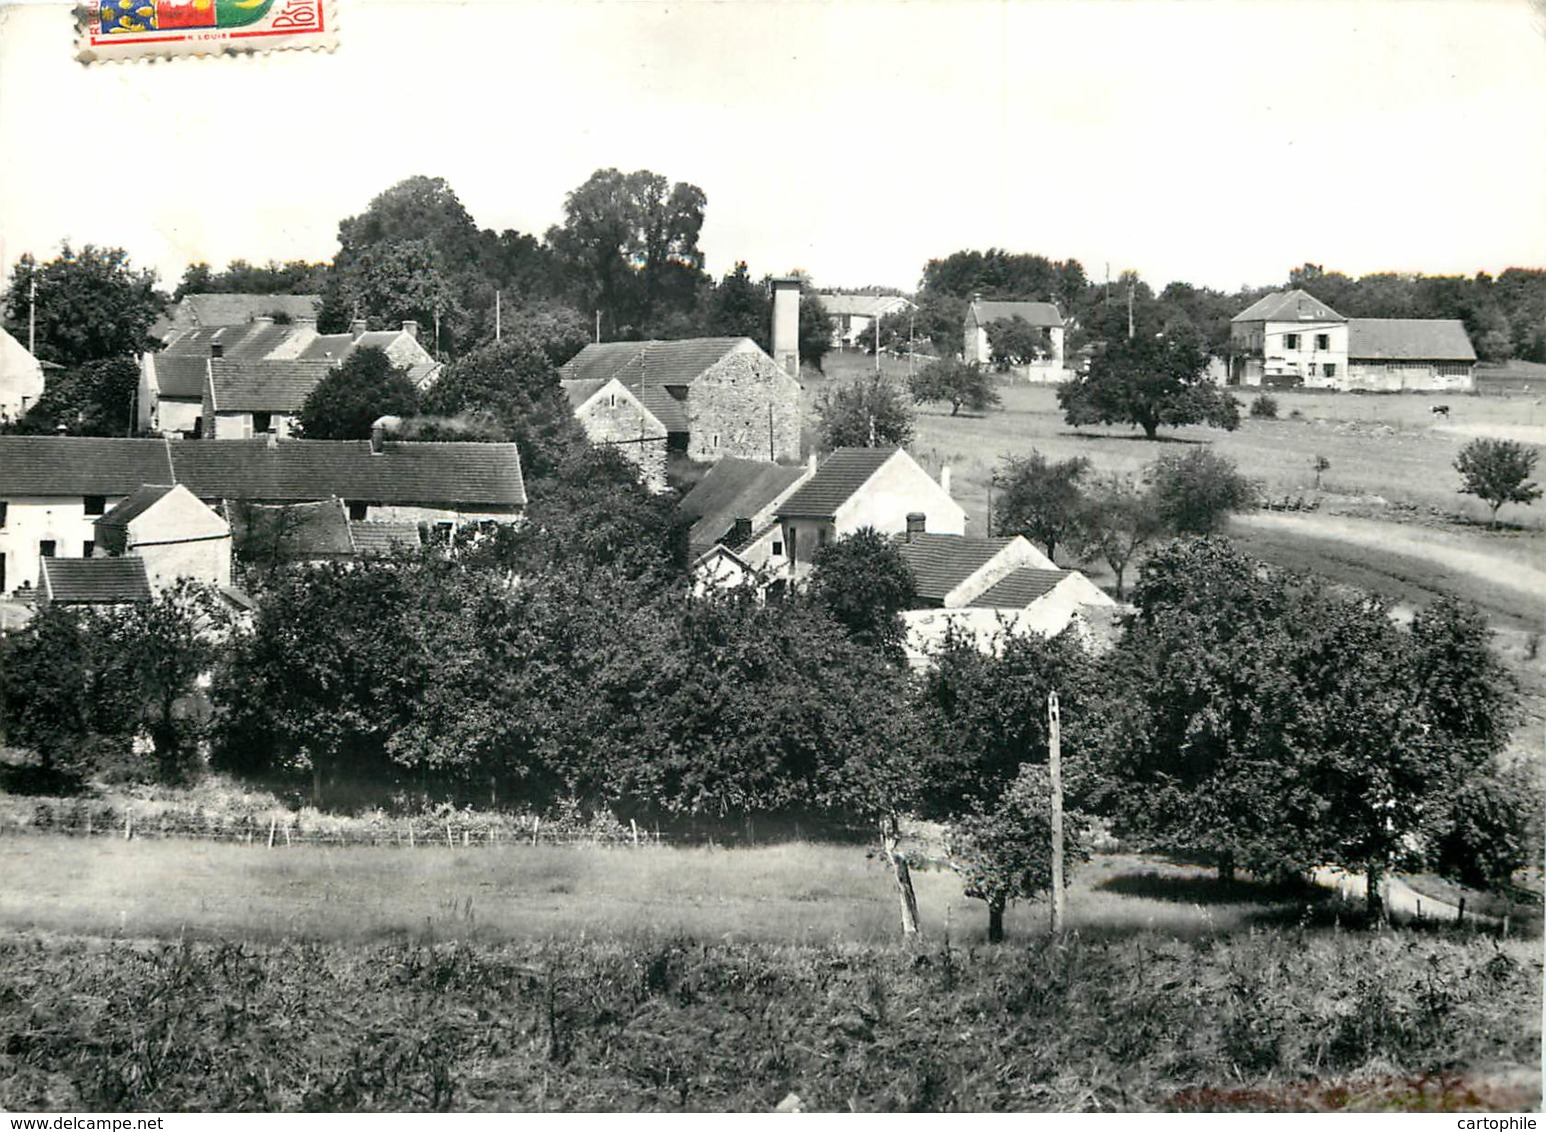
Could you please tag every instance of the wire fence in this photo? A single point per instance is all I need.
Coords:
(280, 833)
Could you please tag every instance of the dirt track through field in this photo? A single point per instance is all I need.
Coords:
(1525, 585)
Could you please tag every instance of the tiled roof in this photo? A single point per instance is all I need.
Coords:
(113, 528)
(327, 348)
(1019, 588)
(265, 386)
(580, 389)
(1037, 314)
(296, 532)
(377, 539)
(180, 368)
(649, 363)
(94, 581)
(1288, 306)
(80, 465)
(940, 563)
(867, 306)
(1408, 339)
(231, 310)
(733, 489)
(668, 408)
(406, 472)
(839, 476)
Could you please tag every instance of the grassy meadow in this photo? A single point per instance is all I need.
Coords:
(164, 975)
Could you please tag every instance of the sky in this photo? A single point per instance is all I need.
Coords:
(1217, 142)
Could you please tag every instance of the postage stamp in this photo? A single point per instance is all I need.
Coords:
(108, 30)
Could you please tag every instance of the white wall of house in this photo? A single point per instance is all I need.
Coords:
(33, 520)
(1048, 615)
(180, 537)
(1315, 352)
(1411, 376)
(240, 426)
(898, 488)
(21, 378)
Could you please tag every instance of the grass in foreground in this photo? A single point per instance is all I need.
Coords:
(1279, 1019)
(783, 894)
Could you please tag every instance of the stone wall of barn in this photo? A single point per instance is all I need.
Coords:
(744, 405)
(614, 417)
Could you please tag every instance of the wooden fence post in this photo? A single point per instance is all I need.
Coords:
(273, 828)
(287, 835)
(635, 826)
(449, 843)
(128, 824)
(536, 824)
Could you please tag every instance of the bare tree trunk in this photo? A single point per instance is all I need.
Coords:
(1374, 894)
(904, 877)
(996, 920)
(1226, 868)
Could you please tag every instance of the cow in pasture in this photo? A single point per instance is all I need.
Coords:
(1440, 411)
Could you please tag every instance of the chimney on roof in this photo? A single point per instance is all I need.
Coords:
(916, 521)
(357, 327)
(411, 328)
(378, 432)
(944, 479)
(976, 296)
(786, 325)
(741, 533)
(810, 465)
(273, 439)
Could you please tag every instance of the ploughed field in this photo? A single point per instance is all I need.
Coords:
(168, 975)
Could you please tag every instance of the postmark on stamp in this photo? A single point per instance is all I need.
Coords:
(108, 30)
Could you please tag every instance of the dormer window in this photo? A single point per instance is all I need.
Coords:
(95, 504)
(262, 422)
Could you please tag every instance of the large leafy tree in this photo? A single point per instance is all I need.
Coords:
(354, 394)
(1040, 499)
(46, 685)
(513, 384)
(296, 277)
(324, 679)
(865, 584)
(1195, 493)
(1119, 520)
(868, 412)
(955, 383)
(92, 305)
(1273, 723)
(629, 242)
(985, 744)
(92, 399)
(1015, 342)
(1148, 381)
(1498, 472)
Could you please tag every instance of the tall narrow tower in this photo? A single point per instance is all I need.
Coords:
(786, 325)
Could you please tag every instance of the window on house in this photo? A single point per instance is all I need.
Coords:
(95, 504)
(2, 575)
(262, 422)
(46, 548)
(88, 548)
(778, 549)
(821, 537)
(1323, 341)
(358, 510)
(1329, 369)
(198, 428)
(3, 507)
(1290, 341)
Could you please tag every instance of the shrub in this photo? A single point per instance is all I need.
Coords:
(1265, 407)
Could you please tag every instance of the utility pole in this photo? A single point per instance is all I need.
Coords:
(496, 316)
(598, 324)
(877, 345)
(32, 312)
(1055, 772)
(1129, 308)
